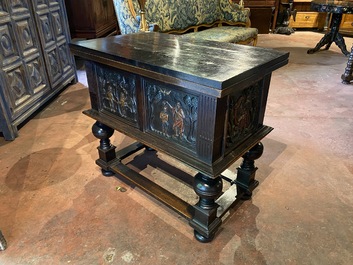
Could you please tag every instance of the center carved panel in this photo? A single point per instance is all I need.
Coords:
(172, 114)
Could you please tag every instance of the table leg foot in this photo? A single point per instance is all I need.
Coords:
(107, 173)
(245, 181)
(3, 243)
(202, 238)
(347, 75)
(339, 40)
(204, 220)
(149, 148)
(326, 40)
(106, 150)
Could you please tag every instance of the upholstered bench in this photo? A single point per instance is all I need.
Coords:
(218, 20)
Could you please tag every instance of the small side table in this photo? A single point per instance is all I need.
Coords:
(337, 9)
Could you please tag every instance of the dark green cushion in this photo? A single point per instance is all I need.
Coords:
(224, 34)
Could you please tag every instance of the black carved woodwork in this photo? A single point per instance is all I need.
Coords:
(243, 114)
(35, 59)
(200, 102)
(118, 92)
(347, 75)
(3, 243)
(336, 9)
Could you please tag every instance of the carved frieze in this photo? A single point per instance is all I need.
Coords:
(171, 114)
(243, 114)
(118, 92)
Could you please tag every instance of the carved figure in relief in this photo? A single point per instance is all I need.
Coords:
(164, 116)
(123, 105)
(241, 114)
(110, 96)
(178, 117)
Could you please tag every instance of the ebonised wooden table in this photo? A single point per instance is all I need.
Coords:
(200, 102)
(337, 9)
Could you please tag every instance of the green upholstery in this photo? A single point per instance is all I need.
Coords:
(224, 34)
(179, 16)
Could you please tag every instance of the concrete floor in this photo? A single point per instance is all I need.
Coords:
(57, 208)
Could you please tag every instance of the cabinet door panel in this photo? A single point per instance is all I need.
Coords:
(8, 50)
(35, 62)
(22, 65)
(54, 35)
(17, 90)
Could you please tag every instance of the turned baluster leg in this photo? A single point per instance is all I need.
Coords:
(245, 181)
(3, 243)
(205, 221)
(106, 150)
(347, 76)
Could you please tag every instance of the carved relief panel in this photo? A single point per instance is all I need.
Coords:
(118, 93)
(243, 114)
(171, 114)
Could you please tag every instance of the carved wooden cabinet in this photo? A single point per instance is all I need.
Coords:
(36, 62)
(91, 18)
(261, 14)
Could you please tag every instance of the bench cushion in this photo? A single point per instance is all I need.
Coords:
(224, 34)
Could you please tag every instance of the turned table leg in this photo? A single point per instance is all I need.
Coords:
(245, 181)
(205, 221)
(106, 150)
(3, 243)
(347, 75)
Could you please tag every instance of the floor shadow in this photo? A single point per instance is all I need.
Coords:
(42, 168)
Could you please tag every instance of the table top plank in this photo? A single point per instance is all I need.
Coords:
(214, 64)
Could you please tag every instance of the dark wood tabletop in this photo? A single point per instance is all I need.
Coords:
(213, 64)
(332, 6)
